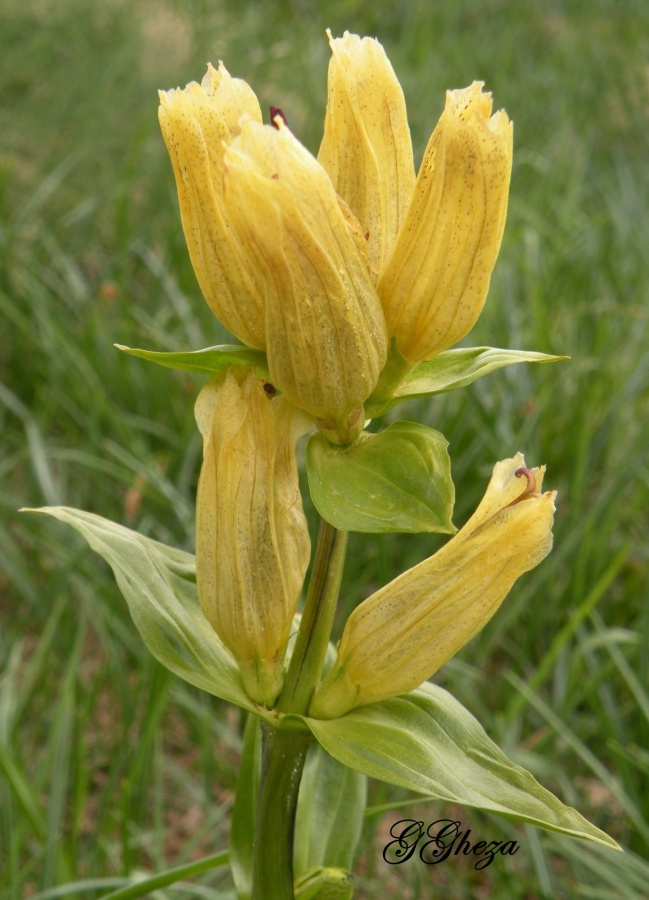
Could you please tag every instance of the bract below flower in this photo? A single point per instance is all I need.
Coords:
(252, 541)
(402, 634)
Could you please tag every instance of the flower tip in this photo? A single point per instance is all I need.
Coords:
(211, 78)
(500, 121)
(464, 103)
(551, 496)
(462, 95)
(345, 47)
(166, 98)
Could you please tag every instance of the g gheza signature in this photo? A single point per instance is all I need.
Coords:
(445, 839)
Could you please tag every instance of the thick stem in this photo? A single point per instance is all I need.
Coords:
(317, 619)
(284, 748)
(284, 752)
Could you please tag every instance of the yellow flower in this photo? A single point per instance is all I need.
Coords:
(366, 147)
(252, 542)
(402, 634)
(325, 331)
(433, 243)
(197, 124)
(435, 283)
(326, 263)
(280, 259)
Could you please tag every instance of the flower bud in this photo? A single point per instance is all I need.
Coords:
(325, 330)
(435, 282)
(252, 541)
(402, 634)
(366, 148)
(197, 124)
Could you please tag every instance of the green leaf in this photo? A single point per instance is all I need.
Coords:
(244, 812)
(330, 813)
(205, 362)
(428, 742)
(158, 583)
(454, 369)
(144, 887)
(397, 480)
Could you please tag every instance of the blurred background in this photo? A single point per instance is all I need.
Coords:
(109, 765)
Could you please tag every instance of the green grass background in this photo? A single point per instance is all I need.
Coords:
(109, 766)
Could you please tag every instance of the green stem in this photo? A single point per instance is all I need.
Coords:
(284, 747)
(317, 620)
(284, 752)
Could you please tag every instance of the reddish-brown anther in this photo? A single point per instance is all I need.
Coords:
(275, 111)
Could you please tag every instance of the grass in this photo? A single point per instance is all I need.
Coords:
(112, 767)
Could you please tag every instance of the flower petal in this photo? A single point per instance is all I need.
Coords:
(325, 331)
(197, 124)
(435, 282)
(366, 148)
(252, 540)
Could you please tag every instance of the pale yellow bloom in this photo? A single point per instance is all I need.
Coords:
(401, 635)
(280, 258)
(434, 285)
(197, 124)
(321, 263)
(366, 148)
(434, 242)
(252, 542)
(325, 331)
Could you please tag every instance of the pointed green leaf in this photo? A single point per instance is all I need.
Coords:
(205, 362)
(428, 742)
(396, 480)
(454, 369)
(158, 583)
(330, 813)
(244, 811)
(139, 885)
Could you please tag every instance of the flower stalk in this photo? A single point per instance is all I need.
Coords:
(310, 649)
(284, 753)
(285, 747)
